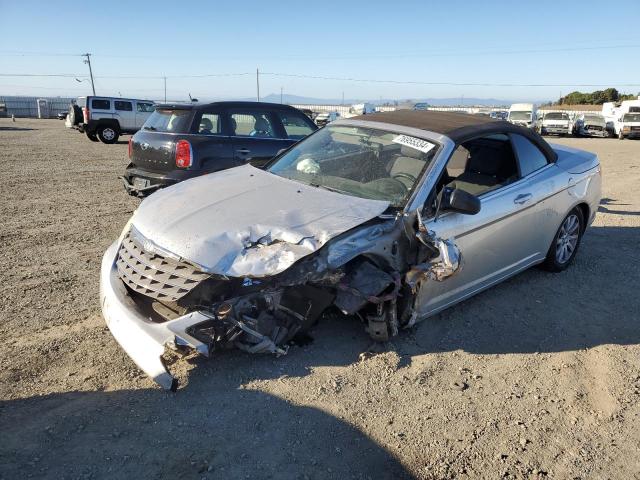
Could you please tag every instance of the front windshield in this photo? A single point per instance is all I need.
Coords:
(520, 115)
(556, 116)
(631, 117)
(357, 161)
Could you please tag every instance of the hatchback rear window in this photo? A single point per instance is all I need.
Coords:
(100, 104)
(169, 120)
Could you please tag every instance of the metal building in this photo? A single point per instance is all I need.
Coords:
(34, 107)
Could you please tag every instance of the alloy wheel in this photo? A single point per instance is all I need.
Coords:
(567, 239)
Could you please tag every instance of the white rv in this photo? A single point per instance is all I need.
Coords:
(362, 109)
(523, 114)
(627, 123)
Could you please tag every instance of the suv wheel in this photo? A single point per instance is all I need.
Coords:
(108, 134)
(92, 136)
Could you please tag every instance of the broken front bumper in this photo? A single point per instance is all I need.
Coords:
(144, 341)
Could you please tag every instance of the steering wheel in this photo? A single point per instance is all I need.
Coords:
(406, 176)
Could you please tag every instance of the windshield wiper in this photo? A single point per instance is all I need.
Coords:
(331, 189)
(153, 129)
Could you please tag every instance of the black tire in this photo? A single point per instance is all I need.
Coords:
(75, 114)
(557, 259)
(92, 136)
(108, 134)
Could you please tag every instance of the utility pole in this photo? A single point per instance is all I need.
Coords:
(258, 84)
(165, 89)
(342, 98)
(88, 62)
(280, 94)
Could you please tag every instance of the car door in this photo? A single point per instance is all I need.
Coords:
(499, 241)
(125, 114)
(257, 135)
(143, 111)
(211, 143)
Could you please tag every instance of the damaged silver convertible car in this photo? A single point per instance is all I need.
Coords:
(388, 218)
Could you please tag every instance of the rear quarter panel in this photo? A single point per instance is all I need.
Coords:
(576, 180)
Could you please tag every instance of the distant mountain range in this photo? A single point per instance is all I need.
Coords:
(466, 101)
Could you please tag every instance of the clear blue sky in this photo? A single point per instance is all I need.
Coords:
(455, 41)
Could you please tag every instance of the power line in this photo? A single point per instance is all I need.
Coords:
(63, 75)
(322, 77)
(459, 84)
(356, 55)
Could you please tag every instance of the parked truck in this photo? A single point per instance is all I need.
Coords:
(523, 114)
(556, 123)
(627, 119)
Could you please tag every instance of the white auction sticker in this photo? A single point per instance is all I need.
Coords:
(414, 142)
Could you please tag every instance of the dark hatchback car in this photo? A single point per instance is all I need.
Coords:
(181, 141)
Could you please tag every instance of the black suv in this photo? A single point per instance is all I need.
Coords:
(181, 141)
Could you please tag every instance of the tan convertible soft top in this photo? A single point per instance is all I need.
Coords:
(459, 127)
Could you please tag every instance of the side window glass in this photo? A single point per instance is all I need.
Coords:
(295, 125)
(123, 106)
(100, 104)
(251, 124)
(529, 156)
(209, 124)
(145, 107)
(481, 165)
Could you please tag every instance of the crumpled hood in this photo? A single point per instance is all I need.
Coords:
(245, 222)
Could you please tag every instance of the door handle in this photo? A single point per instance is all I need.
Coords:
(522, 199)
(243, 151)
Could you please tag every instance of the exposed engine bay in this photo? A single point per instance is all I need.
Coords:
(364, 274)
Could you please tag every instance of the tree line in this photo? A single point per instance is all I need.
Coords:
(595, 98)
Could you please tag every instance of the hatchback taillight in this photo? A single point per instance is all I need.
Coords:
(130, 146)
(87, 114)
(184, 154)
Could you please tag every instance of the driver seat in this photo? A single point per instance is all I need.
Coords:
(410, 163)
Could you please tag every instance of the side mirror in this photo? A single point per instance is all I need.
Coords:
(456, 200)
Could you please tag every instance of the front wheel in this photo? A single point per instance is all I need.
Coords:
(565, 244)
(108, 134)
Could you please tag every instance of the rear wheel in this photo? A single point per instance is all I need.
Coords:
(565, 244)
(108, 134)
(92, 136)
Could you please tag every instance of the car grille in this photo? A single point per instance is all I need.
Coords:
(154, 275)
(596, 128)
(635, 129)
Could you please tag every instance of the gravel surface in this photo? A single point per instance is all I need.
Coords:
(538, 377)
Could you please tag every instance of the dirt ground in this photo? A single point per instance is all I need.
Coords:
(538, 377)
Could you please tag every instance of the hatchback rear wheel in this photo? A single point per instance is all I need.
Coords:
(565, 244)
